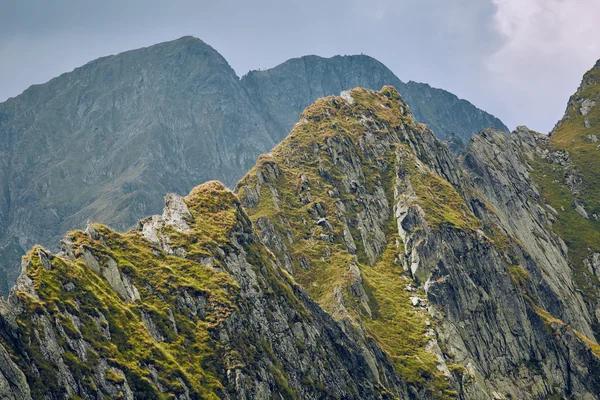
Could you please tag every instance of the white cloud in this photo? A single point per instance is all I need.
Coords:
(549, 44)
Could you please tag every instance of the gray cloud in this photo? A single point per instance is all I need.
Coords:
(549, 45)
(509, 57)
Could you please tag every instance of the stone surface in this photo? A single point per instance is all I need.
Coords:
(586, 106)
(358, 259)
(269, 340)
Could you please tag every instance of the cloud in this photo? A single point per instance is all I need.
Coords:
(548, 45)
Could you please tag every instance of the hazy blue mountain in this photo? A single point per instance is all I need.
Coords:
(284, 91)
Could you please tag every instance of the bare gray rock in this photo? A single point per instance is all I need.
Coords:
(586, 106)
(13, 385)
(484, 316)
(120, 282)
(581, 210)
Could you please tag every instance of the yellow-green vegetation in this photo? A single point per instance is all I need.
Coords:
(397, 327)
(582, 236)
(519, 275)
(571, 135)
(442, 204)
(305, 193)
(187, 355)
(594, 347)
(546, 316)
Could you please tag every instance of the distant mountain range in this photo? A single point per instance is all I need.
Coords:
(357, 259)
(109, 139)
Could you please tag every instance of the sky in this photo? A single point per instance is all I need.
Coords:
(517, 59)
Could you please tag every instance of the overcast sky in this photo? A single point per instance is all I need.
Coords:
(518, 59)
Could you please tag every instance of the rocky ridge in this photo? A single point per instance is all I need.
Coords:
(453, 268)
(358, 259)
(108, 140)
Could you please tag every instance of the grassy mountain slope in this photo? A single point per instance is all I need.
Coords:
(371, 215)
(358, 260)
(567, 173)
(109, 139)
(299, 189)
(191, 305)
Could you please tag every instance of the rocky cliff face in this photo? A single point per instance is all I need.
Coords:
(190, 305)
(108, 140)
(567, 174)
(358, 259)
(453, 268)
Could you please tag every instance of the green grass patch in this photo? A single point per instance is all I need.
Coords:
(519, 275)
(442, 204)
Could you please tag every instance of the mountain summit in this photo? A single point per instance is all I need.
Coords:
(431, 258)
(357, 260)
(288, 88)
(109, 139)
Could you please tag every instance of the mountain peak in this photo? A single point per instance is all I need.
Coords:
(185, 42)
(297, 83)
(371, 214)
(359, 103)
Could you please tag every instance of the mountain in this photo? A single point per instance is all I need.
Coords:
(282, 92)
(358, 259)
(190, 305)
(108, 140)
(569, 181)
(454, 268)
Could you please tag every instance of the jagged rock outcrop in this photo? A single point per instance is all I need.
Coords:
(460, 257)
(567, 174)
(222, 321)
(501, 169)
(109, 139)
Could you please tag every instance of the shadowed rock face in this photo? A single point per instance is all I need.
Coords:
(108, 140)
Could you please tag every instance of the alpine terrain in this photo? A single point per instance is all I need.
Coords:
(358, 259)
(108, 140)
